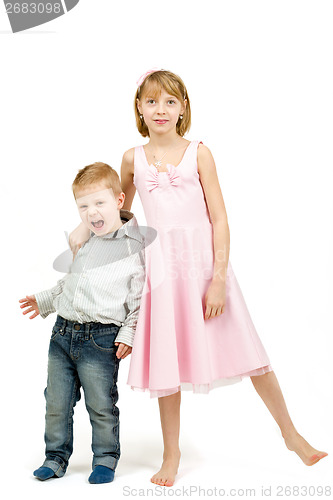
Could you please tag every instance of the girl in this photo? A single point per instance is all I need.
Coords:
(194, 330)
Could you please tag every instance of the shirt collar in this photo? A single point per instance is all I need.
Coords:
(129, 228)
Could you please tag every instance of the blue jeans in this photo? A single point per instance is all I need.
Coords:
(82, 355)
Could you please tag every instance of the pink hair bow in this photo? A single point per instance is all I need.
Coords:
(143, 77)
(152, 176)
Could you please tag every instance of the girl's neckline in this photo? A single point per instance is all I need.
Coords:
(145, 157)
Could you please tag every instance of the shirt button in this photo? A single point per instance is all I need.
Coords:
(77, 327)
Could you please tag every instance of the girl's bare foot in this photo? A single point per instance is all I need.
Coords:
(167, 473)
(310, 456)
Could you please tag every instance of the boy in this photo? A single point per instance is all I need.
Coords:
(98, 305)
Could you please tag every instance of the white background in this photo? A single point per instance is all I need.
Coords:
(259, 76)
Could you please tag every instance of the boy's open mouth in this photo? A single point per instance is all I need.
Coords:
(98, 224)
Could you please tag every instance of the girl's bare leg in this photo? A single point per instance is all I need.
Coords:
(170, 422)
(268, 388)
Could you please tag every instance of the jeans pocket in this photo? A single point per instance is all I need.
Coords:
(104, 341)
(55, 330)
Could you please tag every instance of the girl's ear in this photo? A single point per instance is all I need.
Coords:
(138, 105)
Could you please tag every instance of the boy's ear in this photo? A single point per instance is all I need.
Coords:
(121, 200)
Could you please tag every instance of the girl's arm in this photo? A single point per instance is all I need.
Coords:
(127, 173)
(77, 237)
(215, 203)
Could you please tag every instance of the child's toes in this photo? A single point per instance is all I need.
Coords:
(155, 480)
(318, 456)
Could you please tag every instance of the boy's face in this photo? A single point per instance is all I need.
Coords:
(99, 209)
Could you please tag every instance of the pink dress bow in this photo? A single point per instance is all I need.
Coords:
(173, 175)
(152, 176)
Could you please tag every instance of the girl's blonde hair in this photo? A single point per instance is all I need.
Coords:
(96, 173)
(172, 84)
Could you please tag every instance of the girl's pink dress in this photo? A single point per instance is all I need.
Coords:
(174, 346)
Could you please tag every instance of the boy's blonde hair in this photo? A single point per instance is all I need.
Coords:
(96, 173)
(172, 84)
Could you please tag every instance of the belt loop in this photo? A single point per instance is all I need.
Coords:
(64, 326)
(87, 331)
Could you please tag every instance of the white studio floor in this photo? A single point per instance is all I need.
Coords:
(229, 443)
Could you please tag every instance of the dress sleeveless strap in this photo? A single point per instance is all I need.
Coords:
(194, 153)
(196, 144)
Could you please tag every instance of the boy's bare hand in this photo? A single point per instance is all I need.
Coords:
(123, 350)
(30, 301)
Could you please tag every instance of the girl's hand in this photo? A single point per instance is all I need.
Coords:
(78, 237)
(215, 299)
(123, 350)
(30, 301)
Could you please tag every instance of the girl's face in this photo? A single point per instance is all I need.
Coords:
(99, 209)
(160, 113)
